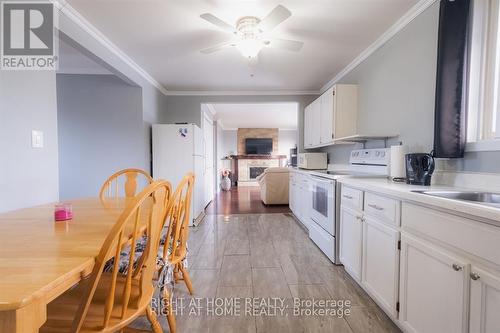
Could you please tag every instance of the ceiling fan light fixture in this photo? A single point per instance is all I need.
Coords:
(249, 48)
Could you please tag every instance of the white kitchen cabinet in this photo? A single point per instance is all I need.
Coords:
(345, 116)
(434, 286)
(380, 261)
(326, 116)
(351, 231)
(308, 123)
(332, 115)
(300, 198)
(292, 192)
(316, 122)
(484, 301)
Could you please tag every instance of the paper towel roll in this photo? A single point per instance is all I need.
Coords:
(398, 167)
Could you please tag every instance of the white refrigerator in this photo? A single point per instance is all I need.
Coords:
(177, 150)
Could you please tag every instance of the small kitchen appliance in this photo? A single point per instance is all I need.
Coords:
(312, 161)
(419, 169)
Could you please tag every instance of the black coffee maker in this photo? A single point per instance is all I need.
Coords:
(419, 169)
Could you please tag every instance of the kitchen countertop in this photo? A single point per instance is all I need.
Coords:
(404, 192)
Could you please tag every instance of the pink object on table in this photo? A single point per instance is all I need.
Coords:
(63, 212)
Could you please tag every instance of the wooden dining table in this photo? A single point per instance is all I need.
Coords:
(40, 259)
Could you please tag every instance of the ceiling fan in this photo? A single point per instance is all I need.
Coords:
(251, 33)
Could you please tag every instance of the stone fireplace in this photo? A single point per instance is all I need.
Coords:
(250, 167)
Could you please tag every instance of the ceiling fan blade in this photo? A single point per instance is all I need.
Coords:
(218, 22)
(217, 47)
(274, 18)
(290, 45)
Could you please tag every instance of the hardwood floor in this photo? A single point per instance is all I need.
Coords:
(242, 200)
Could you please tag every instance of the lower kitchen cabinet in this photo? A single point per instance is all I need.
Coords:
(300, 198)
(351, 233)
(434, 287)
(380, 273)
(484, 302)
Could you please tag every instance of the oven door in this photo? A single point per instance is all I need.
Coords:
(323, 203)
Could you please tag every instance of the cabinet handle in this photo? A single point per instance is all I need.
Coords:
(360, 218)
(375, 207)
(457, 267)
(347, 196)
(475, 276)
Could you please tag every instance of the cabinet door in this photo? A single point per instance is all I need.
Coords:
(306, 200)
(326, 116)
(351, 231)
(307, 126)
(433, 289)
(484, 302)
(316, 122)
(291, 196)
(380, 274)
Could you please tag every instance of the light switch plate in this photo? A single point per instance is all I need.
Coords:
(36, 139)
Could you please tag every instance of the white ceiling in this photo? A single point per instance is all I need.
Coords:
(274, 115)
(164, 37)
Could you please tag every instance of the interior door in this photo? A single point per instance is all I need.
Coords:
(209, 175)
(433, 288)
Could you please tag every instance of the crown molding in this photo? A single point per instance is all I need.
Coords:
(400, 24)
(241, 92)
(67, 10)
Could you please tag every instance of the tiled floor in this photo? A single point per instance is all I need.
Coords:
(267, 258)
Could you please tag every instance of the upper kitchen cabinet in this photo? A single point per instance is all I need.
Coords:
(333, 115)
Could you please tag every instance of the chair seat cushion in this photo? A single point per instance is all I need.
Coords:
(165, 268)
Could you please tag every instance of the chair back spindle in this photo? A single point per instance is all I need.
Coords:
(142, 217)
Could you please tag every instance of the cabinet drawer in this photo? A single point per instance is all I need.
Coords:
(471, 236)
(351, 197)
(386, 209)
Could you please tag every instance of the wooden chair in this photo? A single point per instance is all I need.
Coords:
(174, 240)
(124, 183)
(109, 301)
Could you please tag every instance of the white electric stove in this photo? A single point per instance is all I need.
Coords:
(325, 191)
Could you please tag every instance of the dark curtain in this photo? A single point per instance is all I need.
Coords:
(451, 81)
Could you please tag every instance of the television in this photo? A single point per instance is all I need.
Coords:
(258, 146)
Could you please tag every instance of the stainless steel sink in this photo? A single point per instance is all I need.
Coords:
(486, 198)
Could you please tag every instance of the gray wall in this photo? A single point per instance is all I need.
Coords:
(396, 95)
(230, 142)
(396, 88)
(28, 176)
(188, 108)
(101, 131)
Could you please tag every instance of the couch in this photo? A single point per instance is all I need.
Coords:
(274, 186)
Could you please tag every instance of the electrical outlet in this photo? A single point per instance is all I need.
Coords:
(36, 139)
